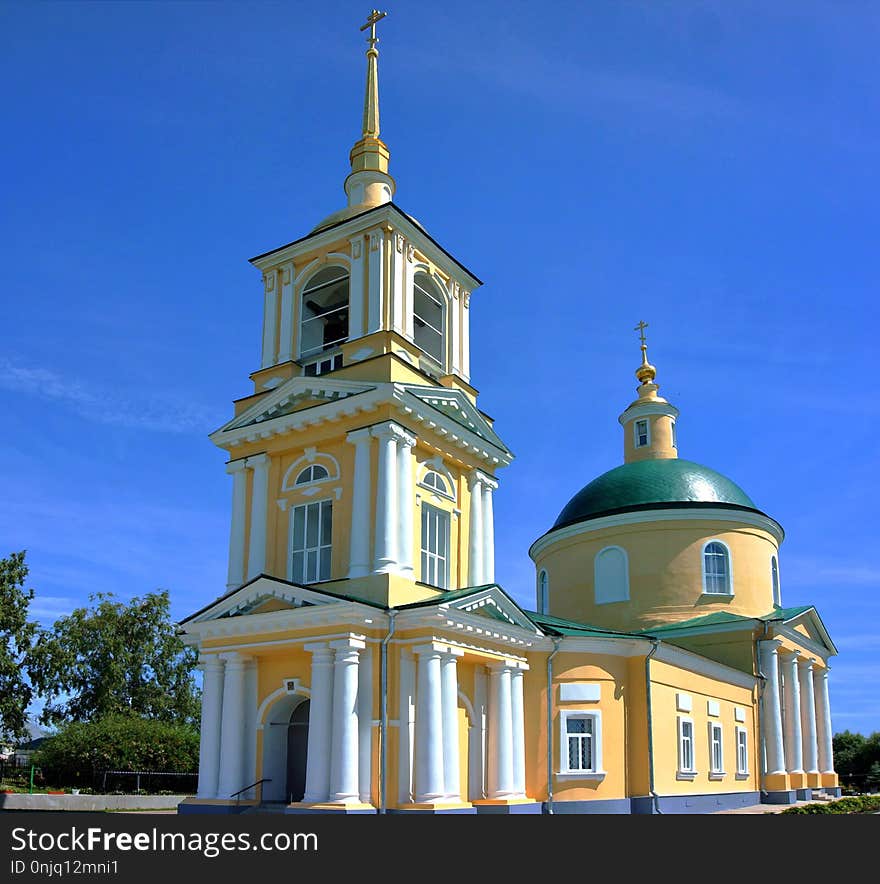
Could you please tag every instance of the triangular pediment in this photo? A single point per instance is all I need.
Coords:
(493, 604)
(455, 405)
(294, 395)
(804, 624)
(262, 595)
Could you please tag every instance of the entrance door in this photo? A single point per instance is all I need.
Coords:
(297, 751)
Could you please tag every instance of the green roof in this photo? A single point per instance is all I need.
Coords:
(724, 618)
(649, 484)
(558, 626)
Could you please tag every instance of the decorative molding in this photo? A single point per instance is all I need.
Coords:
(570, 692)
(684, 702)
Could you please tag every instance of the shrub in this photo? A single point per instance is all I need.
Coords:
(851, 804)
(81, 751)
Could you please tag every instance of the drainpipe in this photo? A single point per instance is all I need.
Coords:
(762, 686)
(383, 716)
(655, 797)
(556, 642)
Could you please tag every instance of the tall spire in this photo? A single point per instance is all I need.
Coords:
(369, 183)
(370, 128)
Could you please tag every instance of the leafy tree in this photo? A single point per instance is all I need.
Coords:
(81, 751)
(848, 748)
(116, 658)
(16, 636)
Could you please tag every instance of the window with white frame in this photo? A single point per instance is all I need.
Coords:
(686, 762)
(641, 433)
(774, 580)
(436, 483)
(314, 473)
(581, 742)
(742, 751)
(311, 531)
(716, 569)
(611, 575)
(435, 546)
(543, 593)
(674, 442)
(716, 748)
(428, 316)
(324, 316)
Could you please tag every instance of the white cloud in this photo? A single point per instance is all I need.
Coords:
(48, 608)
(164, 413)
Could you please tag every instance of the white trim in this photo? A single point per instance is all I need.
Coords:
(713, 708)
(596, 771)
(610, 601)
(775, 592)
(326, 262)
(290, 521)
(729, 557)
(579, 692)
(716, 772)
(543, 593)
(637, 410)
(446, 495)
(684, 702)
(806, 643)
(739, 713)
(686, 772)
(309, 457)
(637, 517)
(277, 694)
(703, 666)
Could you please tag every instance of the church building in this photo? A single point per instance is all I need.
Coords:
(362, 658)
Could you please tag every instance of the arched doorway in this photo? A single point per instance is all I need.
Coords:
(297, 751)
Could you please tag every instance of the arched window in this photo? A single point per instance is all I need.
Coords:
(611, 573)
(543, 593)
(774, 579)
(428, 316)
(311, 474)
(437, 482)
(324, 322)
(716, 569)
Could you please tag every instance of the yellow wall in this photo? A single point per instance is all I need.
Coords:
(665, 573)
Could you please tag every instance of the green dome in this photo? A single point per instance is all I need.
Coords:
(650, 484)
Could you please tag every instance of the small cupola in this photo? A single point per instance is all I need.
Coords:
(648, 422)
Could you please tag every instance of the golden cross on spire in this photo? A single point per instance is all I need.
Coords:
(640, 328)
(374, 17)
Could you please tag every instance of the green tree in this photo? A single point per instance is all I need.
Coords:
(16, 637)
(116, 658)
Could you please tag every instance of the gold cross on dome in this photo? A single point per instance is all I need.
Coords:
(640, 328)
(374, 17)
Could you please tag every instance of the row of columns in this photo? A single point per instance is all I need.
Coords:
(796, 713)
(437, 755)
(258, 466)
(481, 547)
(223, 748)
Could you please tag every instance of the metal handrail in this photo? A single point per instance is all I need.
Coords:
(251, 786)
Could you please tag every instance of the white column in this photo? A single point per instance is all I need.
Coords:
(808, 716)
(407, 718)
(344, 785)
(465, 335)
(320, 725)
(365, 726)
(396, 281)
(235, 575)
(823, 721)
(356, 288)
(359, 550)
(376, 284)
(231, 778)
(792, 696)
(285, 336)
(455, 328)
(518, 727)
(405, 503)
(429, 726)
(771, 718)
(259, 463)
(476, 538)
(270, 310)
(212, 710)
(500, 780)
(385, 553)
(477, 738)
(449, 702)
(488, 531)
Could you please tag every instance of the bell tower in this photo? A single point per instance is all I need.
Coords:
(361, 461)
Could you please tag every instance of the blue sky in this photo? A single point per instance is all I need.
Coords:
(708, 167)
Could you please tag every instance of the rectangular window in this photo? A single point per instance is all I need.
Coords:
(311, 530)
(674, 444)
(742, 751)
(716, 748)
(580, 750)
(641, 431)
(686, 746)
(435, 546)
(322, 366)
